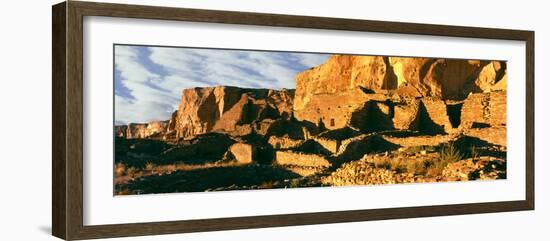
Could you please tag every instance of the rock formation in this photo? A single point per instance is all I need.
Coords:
(139, 130)
(392, 92)
(216, 109)
(223, 108)
(242, 153)
(354, 120)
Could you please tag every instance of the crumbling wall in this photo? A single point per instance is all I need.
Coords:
(242, 153)
(330, 145)
(423, 140)
(436, 111)
(331, 111)
(475, 110)
(453, 111)
(356, 147)
(493, 135)
(484, 109)
(300, 159)
(406, 115)
(373, 116)
(283, 142)
(497, 108)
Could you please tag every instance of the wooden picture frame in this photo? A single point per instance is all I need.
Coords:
(67, 124)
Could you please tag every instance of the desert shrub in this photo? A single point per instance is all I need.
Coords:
(149, 166)
(399, 165)
(132, 172)
(419, 167)
(449, 154)
(474, 153)
(384, 165)
(294, 183)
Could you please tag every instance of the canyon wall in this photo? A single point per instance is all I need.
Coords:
(332, 93)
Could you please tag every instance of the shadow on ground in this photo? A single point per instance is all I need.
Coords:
(209, 178)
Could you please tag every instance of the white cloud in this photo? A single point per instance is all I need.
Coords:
(126, 61)
(156, 76)
(147, 103)
(312, 60)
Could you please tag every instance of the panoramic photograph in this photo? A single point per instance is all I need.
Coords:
(203, 120)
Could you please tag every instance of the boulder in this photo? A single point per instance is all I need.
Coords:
(492, 77)
(242, 152)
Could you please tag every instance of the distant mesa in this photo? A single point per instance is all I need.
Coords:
(142, 130)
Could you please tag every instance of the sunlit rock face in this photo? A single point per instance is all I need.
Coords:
(225, 109)
(331, 94)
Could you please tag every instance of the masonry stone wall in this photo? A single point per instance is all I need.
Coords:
(497, 108)
(484, 109)
(475, 110)
(283, 142)
(243, 153)
(300, 159)
(406, 115)
(437, 113)
(330, 145)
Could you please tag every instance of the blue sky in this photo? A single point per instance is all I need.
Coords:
(149, 80)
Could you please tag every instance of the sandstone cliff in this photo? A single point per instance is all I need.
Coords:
(441, 78)
(390, 83)
(203, 110)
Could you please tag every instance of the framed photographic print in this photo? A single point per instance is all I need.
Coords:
(171, 120)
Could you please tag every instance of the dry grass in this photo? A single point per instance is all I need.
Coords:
(449, 153)
(431, 165)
